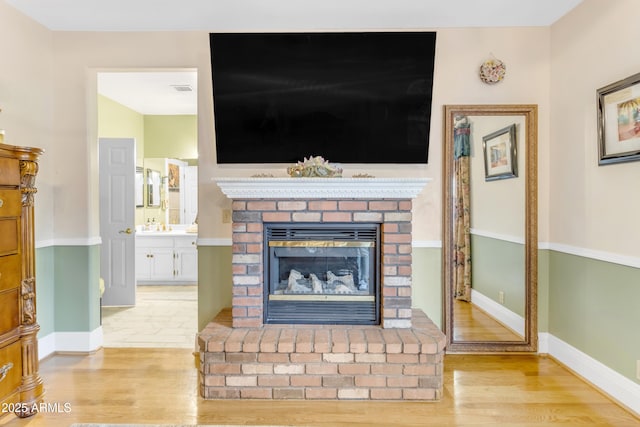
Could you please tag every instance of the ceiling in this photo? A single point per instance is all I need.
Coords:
(288, 15)
(153, 93)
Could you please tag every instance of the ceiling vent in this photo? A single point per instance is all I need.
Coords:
(182, 88)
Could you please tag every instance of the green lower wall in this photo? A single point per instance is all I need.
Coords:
(543, 290)
(498, 266)
(214, 282)
(589, 304)
(67, 280)
(427, 285)
(427, 282)
(594, 306)
(45, 290)
(77, 292)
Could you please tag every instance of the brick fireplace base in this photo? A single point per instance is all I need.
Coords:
(321, 361)
(242, 358)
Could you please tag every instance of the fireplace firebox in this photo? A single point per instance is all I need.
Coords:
(324, 273)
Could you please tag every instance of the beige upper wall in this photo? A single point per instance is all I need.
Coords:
(525, 52)
(592, 207)
(78, 56)
(498, 207)
(48, 100)
(459, 53)
(26, 100)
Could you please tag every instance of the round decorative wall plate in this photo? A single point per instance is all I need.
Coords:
(492, 71)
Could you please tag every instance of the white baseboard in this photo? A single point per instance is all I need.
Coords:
(628, 260)
(426, 243)
(619, 387)
(89, 241)
(543, 343)
(70, 342)
(46, 345)
(501, 313)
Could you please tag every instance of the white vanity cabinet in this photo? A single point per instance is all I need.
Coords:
(163, 258)
(186, 259)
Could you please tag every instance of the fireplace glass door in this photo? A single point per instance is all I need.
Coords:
(323, 273)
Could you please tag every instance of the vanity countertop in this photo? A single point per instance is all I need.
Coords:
(168, 233)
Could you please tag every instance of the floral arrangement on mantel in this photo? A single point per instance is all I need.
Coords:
(314, 167)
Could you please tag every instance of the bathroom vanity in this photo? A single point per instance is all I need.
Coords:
(166, 257)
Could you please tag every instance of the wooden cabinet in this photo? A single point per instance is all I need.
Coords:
(21, 388)
(166, 258)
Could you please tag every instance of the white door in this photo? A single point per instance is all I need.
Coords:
(117, 162)
(191, 194)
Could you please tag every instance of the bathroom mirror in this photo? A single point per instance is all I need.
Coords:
(490, 228)
(153, 188)
(178, 190)
(139, 187)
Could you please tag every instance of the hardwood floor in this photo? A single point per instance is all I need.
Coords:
(473, 324)
(125, 385)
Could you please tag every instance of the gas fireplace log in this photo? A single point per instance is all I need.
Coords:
(294, 286)
(346, 280)
(316, 284)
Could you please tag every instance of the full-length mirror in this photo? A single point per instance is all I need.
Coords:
(490, 227)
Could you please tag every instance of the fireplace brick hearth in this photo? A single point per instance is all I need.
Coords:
(321, 362)
(241, 357)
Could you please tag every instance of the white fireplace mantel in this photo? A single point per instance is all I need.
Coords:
(321, 188)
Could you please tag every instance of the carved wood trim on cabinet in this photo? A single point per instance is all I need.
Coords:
(20, 382)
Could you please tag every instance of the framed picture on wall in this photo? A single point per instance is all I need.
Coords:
(619, 121)
(174, 177)
(500, 154)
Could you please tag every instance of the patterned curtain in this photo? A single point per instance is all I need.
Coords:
(462, 210)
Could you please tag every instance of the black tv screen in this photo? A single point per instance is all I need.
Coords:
(349, 97)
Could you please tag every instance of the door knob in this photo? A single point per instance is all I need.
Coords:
(127, 231)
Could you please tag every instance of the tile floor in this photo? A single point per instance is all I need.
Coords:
(164, 316)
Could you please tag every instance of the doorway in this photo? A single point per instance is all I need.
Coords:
(157, 109)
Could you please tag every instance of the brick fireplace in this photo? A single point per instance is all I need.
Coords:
(399, 358)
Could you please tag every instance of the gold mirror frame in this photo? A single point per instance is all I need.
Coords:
(530, 341)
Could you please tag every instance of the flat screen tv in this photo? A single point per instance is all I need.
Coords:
(361, 97)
